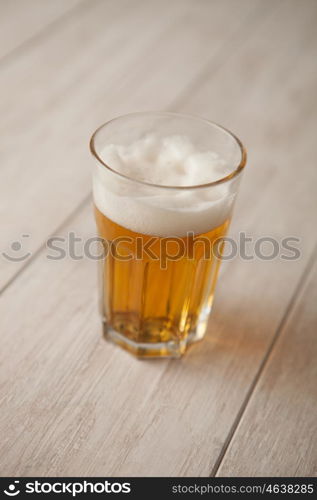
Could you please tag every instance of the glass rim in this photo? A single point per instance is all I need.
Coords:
(236, 170)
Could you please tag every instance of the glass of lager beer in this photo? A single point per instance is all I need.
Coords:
(164, 186)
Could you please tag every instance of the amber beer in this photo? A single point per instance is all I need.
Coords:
(161, 299)
(162, 238)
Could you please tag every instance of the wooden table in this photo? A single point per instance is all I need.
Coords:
(243, 402)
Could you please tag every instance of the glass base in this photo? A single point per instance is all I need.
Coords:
(170, 349)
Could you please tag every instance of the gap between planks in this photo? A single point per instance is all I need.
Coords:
(266, 358)
(175, 104)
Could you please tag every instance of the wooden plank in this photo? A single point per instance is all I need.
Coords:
(69, 397)
(61, 377)
(210, 386)
(240, 328)
(157, 52)
(21, 20)
(277, 435)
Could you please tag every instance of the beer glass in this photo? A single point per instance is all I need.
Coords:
(164, 186)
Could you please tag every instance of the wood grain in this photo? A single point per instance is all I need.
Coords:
(75, 405)
(150, 51)
(21, 20)
(277, 435)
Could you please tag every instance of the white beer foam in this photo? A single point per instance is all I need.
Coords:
(169, 161)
